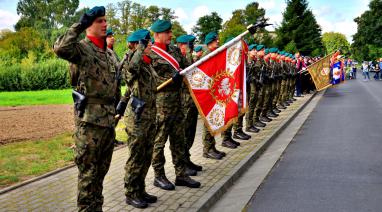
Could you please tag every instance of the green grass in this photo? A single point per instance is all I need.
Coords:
(44, 97)
(24, 160)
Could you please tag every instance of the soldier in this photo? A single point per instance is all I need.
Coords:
(274, 68)
(253, 88)
(110, 41)
(267, 75)
(259, 76)
(167, 61)
(209, 143)
(186, 46)
(140, 79)
(95, 122)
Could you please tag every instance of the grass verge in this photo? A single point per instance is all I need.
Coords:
(24, 160)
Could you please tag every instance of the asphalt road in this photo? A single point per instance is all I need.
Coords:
(334, 163)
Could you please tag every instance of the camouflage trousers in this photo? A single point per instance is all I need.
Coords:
(140, 141)
(93, 152)
(267, 98)
(283, 92)
(259, 104)
(277, 93)
(190, 122)
(252, 94)
(170, 125)
(208, 140)
(239, 124)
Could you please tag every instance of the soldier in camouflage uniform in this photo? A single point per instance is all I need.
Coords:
(198, 53)
(209, 143)
(190, 112)
(140, 80)
(95, 122)
(253, 88)
(169, 116)
(261, 75)
(267, 75)
(275, 76)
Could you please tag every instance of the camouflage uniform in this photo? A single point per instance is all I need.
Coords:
(252, 90)
(268, 89)
(94, 131)
(169, 118)
(262, 89)
(140, 79)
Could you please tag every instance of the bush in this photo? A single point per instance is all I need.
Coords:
(49, 74)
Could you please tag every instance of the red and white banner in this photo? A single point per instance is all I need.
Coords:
(218, 87)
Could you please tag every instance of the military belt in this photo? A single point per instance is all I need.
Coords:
(101, 101)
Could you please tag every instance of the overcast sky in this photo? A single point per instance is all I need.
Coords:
(332, 15)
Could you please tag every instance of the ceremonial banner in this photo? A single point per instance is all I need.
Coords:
(218, 87)
(320, 73)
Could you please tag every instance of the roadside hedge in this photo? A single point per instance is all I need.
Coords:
(49, 74)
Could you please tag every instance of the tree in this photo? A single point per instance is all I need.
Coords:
(43, 14)
(177, 30)
(367, 42)
(124, 8)
(206, 24)
(333, 41)
(241, 19)
(299, 26)
(137, 16)
(112, 19)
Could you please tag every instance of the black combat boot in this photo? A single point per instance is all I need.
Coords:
(149, 198)
(219, 152)
(190, 172)
(229, 144)
(163, 183)
(271, 114)
(276, 110)
(186, 181)
(258, 123)
(265, 119)
(286, 104)
(252, 129)
(194, 166)
(239, 134)
(212, 154)
(136, 202)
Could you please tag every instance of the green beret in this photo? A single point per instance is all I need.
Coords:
(198, 49)
(161, 26)
(139, 35)
(259, 47)
(252, 46)
(267, 51)
(95, 12)
(210, 37)
(109, 32)
(185, 39)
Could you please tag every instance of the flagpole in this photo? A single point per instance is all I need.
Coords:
(208, 56)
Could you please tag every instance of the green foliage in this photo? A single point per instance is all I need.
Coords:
(300, 26)
(42, 14)
(368, 40)
(241, 19)
(177, 30)
(206, 24)
(334, 41)
(50, 74)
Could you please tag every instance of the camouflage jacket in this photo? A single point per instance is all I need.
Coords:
(164, 70)
(98, 75)
(140, 80)
(186, 96)
(254, 71)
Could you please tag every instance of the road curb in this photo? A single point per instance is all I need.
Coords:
(222, 186)
(26, 182)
